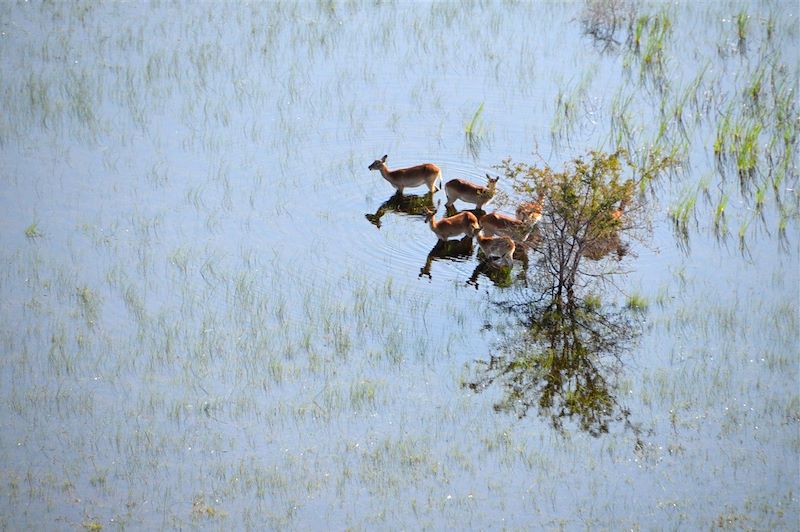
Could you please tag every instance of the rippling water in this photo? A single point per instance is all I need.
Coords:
(205, 327)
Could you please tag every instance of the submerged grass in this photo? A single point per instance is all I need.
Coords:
(570, 108)
(746, 106)
(199, 340)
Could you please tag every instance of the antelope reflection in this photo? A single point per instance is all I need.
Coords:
(453, 250)
(500, 273)
(496, 248)
(411, 205)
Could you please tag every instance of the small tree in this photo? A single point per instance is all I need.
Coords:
(584, 210)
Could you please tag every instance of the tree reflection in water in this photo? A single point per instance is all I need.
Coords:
(565, 361)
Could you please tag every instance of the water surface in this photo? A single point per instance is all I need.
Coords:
(201, 328)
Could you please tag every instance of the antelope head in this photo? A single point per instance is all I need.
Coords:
(378, 163)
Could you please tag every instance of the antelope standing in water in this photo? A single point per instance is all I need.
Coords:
(531, 211)
(496, 223)
(424, 174)
(461, 189)
(496, 247)
(464, 223)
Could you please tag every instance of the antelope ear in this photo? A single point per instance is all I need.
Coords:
(383, 159)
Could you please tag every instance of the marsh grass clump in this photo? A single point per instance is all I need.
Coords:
(659, 28)
(32, 231)
(475, 132)
(570, 107)
(743, 233)
(647, 40)
(682, 212)
(636, 36)
(637, 302)
(741, 30)
(362, 394)
(720, 220)
(746, 149)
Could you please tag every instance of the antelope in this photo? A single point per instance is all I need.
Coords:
(531, 211)
(460, 189)
(616, 214)
(464, 223)
(496, 223)
(414, 176)
(496, 247)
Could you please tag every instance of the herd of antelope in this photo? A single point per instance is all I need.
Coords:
(498, 234)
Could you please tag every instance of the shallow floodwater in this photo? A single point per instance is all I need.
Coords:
(209, 320)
